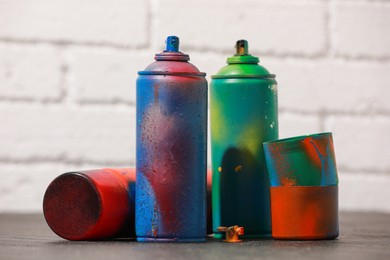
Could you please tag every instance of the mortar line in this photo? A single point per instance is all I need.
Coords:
(328, 30)
(117, 107)
(327, 113)
(32, 41)
(148, 24)
(64, 71)
(42, 160)
(364, 170)
(203, 50)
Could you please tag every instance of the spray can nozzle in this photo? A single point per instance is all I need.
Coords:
(241, 47)
(172, 44)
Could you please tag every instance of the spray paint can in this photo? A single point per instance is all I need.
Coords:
(304, 187)
(171, 149)
(91, 205)
(73, 197)
(244, 114)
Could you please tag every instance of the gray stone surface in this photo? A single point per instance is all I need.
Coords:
(363, 236)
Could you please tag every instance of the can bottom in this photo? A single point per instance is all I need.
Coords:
(297, 237)
(72, 207)
(171, 240)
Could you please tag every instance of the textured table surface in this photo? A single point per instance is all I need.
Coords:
(363, 236)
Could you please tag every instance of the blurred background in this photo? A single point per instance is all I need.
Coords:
(68, 71)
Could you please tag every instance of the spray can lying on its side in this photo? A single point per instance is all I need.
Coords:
(76, 204)
(171, 149)
(244, 114)
(91, 205)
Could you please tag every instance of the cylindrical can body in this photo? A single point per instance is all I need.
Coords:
(244, 114)
(91, 205)
(304, 187)
(305, 212)
(73, 198)
(171, 151)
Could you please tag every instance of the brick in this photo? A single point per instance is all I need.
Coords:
(278, 27)
(123, 22)
(361, 142)
(18, 180)
(29, 72)
(88, 134)
(361, 28)
(331, 85)
(291, 124)
(364, 191)
(107, 75)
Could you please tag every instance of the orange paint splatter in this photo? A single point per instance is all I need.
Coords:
(285, 181)
(316, 149)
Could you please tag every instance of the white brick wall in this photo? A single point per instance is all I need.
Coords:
(68, 70)
(17, 77)
(332, 85)
(122, 23)
(362, 28)
(279, 27)
(361, 141)
(79, 134)
(104, 75)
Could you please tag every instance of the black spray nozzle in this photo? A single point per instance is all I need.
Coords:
(242, 47)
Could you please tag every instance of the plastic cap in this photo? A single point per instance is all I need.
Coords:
(172, 44)
(242, 47)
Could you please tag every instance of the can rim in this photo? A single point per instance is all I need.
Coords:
(268, 76)
(169, 73)
(296, 138)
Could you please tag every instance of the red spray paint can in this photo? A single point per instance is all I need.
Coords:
(91, 205)
(97, 204)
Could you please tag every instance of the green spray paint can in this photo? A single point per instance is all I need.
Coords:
(244, 114)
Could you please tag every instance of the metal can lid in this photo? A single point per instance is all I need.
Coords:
(172, 62)
(72, 206)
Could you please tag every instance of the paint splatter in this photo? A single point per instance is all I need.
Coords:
(286, 181)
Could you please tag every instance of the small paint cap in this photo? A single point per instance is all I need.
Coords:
(172, 43)
(232, 233)
(304, 187)
(91, 205)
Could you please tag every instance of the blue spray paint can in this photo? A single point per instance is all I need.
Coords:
(171, 149)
